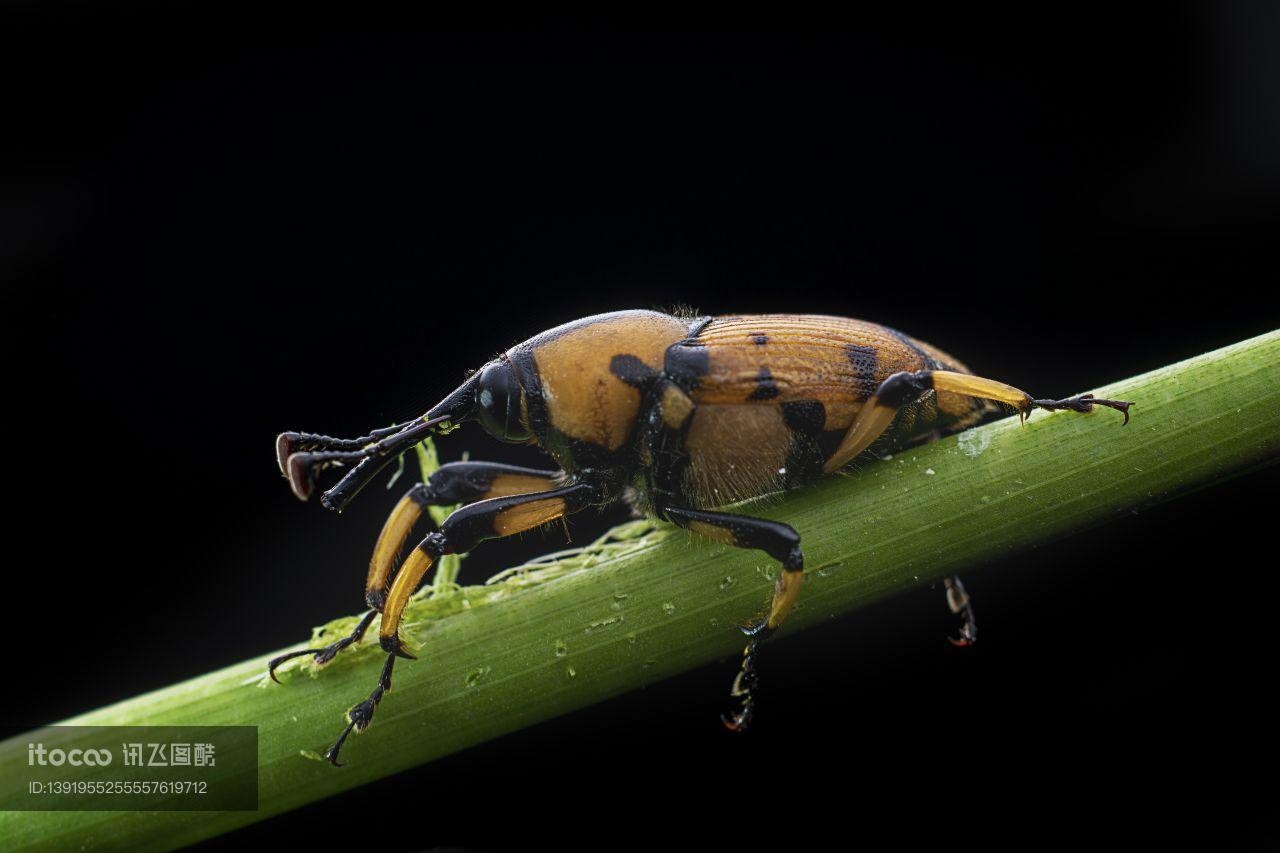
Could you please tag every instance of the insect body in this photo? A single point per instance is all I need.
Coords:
(681, 415)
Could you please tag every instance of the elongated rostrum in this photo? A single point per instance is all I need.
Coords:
(680, 415)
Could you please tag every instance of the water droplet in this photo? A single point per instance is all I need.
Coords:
(727, 581)
(562, 648)
(668, 608)
(603, 623)
(474, 676)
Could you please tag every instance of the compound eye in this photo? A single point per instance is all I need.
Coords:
(498, 403)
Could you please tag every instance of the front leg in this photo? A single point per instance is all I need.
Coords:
(779, 541)
(455, 483)
(462, 531)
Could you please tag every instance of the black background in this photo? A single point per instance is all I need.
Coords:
(216, 227)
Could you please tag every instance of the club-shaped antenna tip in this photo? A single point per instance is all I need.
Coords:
(285, 444)
(298, 467)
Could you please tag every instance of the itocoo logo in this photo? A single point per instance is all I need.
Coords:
(37, 754)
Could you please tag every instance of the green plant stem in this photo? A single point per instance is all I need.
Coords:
(497, 658)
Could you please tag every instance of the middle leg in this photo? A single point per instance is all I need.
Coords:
(779, 541)
(455, 483)
(462, 531)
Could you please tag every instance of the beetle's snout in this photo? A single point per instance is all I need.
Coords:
(457, 408)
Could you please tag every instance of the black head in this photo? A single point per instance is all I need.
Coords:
(501, 405)
(493, 396)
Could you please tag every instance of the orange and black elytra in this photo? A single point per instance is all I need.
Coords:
(691, 413)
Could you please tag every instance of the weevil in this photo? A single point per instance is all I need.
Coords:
(682, 416)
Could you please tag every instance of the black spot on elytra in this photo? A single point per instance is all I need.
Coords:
(864, 362)
(632, 370)
(766, 388)
(686, 363)
(759, 338)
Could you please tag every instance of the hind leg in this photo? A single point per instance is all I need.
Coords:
(904, 388)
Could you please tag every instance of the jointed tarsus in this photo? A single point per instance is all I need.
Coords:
(1080, 403)
(359, 717)
(325, 653)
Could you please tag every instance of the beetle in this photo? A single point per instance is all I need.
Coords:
(681, 415)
